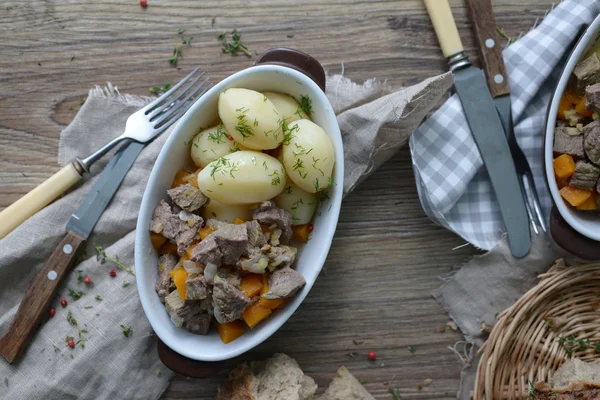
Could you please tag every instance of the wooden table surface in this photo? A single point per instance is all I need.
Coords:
(387, 256)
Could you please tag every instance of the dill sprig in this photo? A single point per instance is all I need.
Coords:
(102, 257)
(76, 294)
(160, 89)
(501, 32)
(218, 136)
(176, 54)
(306, 104)
(236, 44)
(242, 126)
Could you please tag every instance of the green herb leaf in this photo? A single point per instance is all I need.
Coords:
(180, 31)
(88, 307)
(79, 274)
(102, 257)
(362, 381)
(352, 354)
(356, 342)
(157, 372)
(20, 53)
(6, 381)
(125, 284)
(504, 35)
(395, 394)
(99, 298)
(236, 46)
(126, 330)
(160, 89)
(306, 104)
(71, 59)
(76, 294)
(411, 349)
(188, 40)
(291, 35)
(532, 391)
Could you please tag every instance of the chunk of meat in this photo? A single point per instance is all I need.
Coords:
(170, 225)
(256, 238)
(281, 256)
(585, 176)
(591, 141)
(229, 300)
(283, 283)
(568, 144)
(268, 214)
(198, 324)
(179, 310)
(187, 197)
(196, 288)
(592, 97)
(587, 73)
(163, 285)
(222, 247)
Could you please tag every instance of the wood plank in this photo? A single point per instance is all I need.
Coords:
(387, 255)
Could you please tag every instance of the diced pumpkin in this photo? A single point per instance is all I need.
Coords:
(229, 331)
(301, 233)
(572, 96)
(179, 178)
(271, 304)
(157, 240)
(192, 178)
(564, 166)
(168, 248)
(564, 105)
(251, 284)
(581, 110)
(589, 204)
(255, 313)
(204, 232)
(575, 196)
(239, 221)
(179, 276)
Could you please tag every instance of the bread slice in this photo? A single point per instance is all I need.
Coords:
(345, 386)
(279, 378)
(575, 379)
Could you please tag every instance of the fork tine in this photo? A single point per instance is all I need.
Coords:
(163, 97)
(535, 199)
(168, 104)
(528, 205)
(171, 115)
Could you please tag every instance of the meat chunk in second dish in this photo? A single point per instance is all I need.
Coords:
(199, 324)
(187, 197)
(225, 246)
(229, 300)
(268, 214)
(180, 310)
(587, 72)
(591, 141)
(568, 144)
(163, 284)
(178, 231)
(283, 283)
(592, 97)
(585, 176)
(196, 288)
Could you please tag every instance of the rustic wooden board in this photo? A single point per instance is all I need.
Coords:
(387, 255)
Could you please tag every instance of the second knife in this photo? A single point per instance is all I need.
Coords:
(486, 127)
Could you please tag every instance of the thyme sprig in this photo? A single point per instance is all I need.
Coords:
(71, 320)
(236, 46)
(102, 257)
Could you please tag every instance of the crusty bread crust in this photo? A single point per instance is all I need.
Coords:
(575, 391)
(345, 386)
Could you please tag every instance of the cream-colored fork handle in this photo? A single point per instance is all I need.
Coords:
(38, 198)
(445, 27)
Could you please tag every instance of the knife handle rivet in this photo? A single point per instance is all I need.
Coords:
(498, 78)
(67, 249)
(489, 43)
(52, 275)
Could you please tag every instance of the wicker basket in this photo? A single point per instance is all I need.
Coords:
(525, 344)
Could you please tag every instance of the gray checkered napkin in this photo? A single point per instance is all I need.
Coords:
(453, 187)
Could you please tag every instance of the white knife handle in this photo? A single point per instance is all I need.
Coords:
(445, 27)
(38, 198)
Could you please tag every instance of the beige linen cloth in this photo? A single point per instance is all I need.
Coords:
(375, 123)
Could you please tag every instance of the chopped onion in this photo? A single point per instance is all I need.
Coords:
(186, 216)
(210, 271)
(218, 315)
(256, 265)
(191, 267)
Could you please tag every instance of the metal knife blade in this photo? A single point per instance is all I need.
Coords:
(82, 222)
(489, 136)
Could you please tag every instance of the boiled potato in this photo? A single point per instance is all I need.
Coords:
(212, 143)
(298, 202)
(287, 106)
(251, 118)
(243, 177)
(308, 156)
(227, 212)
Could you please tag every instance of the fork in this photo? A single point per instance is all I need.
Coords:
(142, 126)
